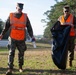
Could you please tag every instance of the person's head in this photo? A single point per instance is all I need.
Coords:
(66, 10)
(19, 7)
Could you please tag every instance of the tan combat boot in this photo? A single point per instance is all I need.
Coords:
(9, 72)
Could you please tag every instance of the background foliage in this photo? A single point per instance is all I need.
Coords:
(54, 12)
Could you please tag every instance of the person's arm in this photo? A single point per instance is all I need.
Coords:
(6, 27)
(74, 21)
(29, 28)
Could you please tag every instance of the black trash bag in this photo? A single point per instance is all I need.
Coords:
(60, 36)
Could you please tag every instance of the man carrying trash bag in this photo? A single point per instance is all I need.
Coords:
(64, 35)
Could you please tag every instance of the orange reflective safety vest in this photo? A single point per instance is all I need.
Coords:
(18, 26)
(69, 21)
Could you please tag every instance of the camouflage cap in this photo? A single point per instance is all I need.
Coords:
(20, 5)
(66, 6)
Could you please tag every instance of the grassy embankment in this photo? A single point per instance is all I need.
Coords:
(37, 62)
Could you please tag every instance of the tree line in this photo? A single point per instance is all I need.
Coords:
(52, 16)
(2, 23)
(54, 13)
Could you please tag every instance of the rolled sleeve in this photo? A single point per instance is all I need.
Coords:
(29, 27)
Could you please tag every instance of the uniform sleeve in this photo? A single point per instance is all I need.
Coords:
(6, 26)
(29, 27)
(74, 22)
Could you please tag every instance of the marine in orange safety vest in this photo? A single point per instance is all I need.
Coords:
(18, 26)
(17, 22)
(68, 19)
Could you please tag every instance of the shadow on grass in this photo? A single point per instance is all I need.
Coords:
(39, 72)
(47, 72)
(2, 70)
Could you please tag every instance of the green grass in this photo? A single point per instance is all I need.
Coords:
(36, 62)
(39, 45)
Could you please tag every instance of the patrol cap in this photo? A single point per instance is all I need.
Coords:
(67, 7)
(20, 5)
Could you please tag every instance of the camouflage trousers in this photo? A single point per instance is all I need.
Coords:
(21, 46)
(71, 46)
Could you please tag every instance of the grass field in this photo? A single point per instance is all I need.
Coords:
(36, 62)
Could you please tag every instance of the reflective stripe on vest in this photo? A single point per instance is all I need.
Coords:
(69, 21)
(18, 26)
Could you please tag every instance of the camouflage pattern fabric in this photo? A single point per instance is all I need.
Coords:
(71, 46)
(21, 46)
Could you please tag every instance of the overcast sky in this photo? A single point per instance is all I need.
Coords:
(34, 9)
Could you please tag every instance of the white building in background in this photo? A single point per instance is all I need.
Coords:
(4, 43)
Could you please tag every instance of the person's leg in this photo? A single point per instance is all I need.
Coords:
(71, 50)
(21, 59)
(11, 57)
(8, 46)
(21, 47)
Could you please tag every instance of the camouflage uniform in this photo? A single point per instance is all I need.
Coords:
(71, 46)
(71, 41)
(9, 43)
(20, 44)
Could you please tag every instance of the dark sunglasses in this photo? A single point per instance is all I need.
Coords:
(66, 11)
